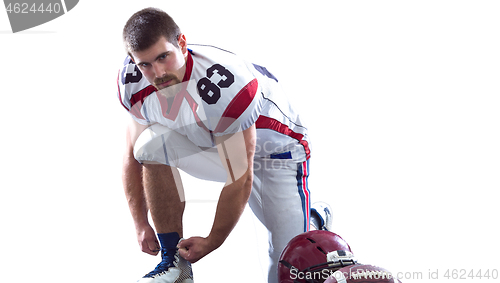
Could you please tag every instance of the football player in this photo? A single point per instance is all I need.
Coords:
(320, 256)
(217, 117)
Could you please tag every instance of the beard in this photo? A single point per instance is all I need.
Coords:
(171, 89)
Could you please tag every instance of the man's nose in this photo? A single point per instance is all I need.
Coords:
(159, 71)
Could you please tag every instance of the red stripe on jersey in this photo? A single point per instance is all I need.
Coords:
(119, 92)
(269, 123)
(237, 106)
(189, 68)
(305, 190)
(137, 100)
(141, 95)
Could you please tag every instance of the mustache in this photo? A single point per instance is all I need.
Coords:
(165, 78)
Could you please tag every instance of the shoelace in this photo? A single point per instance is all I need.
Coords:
(167, 261)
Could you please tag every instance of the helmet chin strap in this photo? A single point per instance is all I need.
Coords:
(339, 256)
(335, 261)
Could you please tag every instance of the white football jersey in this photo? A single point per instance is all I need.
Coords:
(221, 94)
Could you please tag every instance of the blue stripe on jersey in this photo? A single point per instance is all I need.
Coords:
(127, 61)
(302, 184)
(265, 72)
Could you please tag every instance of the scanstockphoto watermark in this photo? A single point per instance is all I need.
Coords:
(353, 274)
(448, 274)
(25, 14)
(430, 274)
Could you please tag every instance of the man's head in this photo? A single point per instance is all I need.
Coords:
(146, 27)
(157, 46)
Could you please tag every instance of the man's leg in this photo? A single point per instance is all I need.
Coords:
(165, 197)
(160, 150)
(280, 199)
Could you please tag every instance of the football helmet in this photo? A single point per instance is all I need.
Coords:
(312, 256)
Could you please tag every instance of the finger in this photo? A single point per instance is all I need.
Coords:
(184, 244)
(184, 253)
(154, 246)
(192, 257)
(150, 251)
(153, 252)
(149, 247)
(146, 249)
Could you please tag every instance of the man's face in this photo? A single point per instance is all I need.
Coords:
(163, 64)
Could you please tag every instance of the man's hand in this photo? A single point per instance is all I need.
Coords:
(194, 248)
(147, 240)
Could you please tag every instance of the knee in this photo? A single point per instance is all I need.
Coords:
(150, 146)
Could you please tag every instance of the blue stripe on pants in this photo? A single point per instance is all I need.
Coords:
(302, 185)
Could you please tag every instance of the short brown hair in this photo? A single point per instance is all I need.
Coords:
(146, 27)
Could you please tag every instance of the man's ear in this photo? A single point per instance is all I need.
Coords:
(182, 43)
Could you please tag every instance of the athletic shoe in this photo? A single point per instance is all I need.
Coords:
(321, 216)
(172, 269)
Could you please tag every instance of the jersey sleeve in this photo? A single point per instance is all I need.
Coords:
(133, 89)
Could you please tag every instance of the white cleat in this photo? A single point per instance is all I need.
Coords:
(172, 269)
(321, 216)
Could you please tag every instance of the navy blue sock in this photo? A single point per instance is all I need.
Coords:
(169, 240)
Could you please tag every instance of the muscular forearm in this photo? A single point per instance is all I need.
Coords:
(232, 201)
(132, 177)
(134, 192)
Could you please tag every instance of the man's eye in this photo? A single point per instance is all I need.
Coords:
(162, 56)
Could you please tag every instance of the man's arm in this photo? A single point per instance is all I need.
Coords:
(236, 153)
(134, 192)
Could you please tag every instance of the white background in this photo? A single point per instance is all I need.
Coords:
(402, 101)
